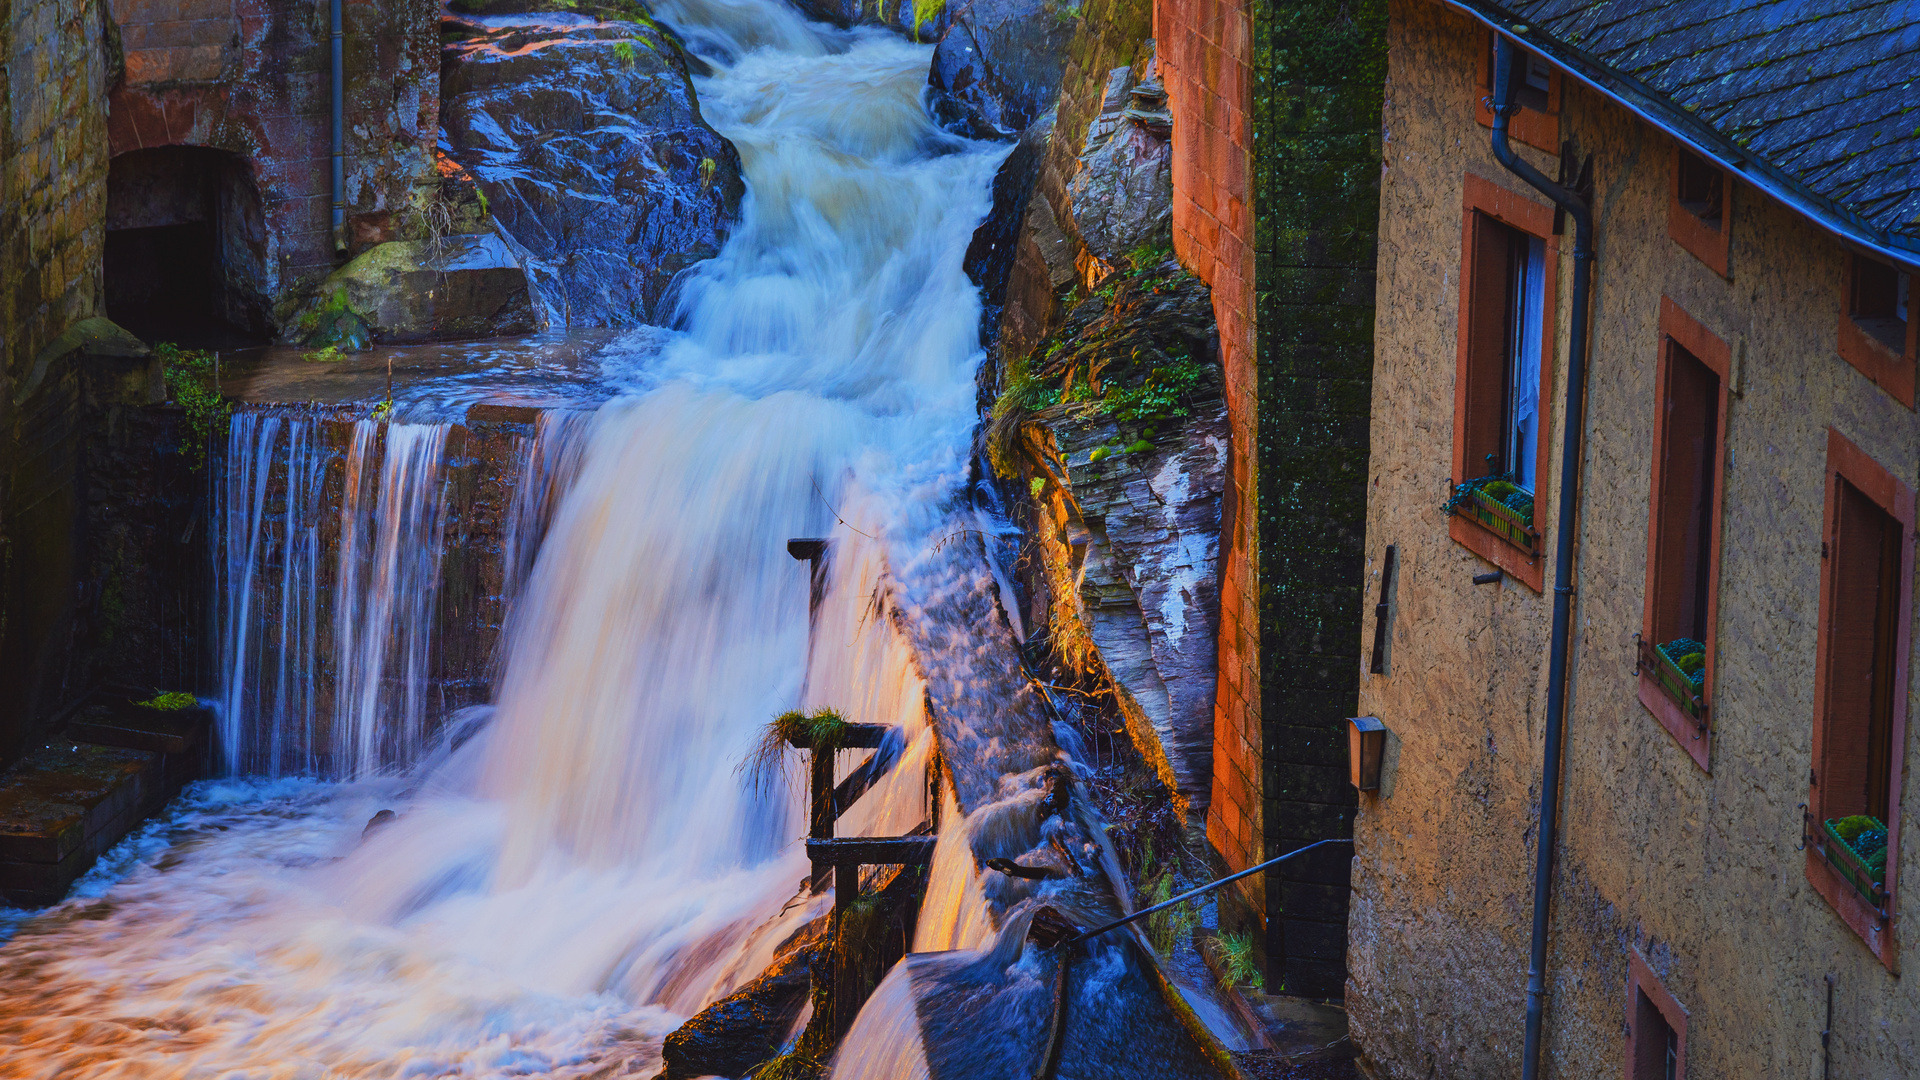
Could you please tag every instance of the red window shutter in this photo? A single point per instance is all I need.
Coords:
(1487, 337)
(1858, 550)
(1687, 459)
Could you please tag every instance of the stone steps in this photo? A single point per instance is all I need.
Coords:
(94, 780)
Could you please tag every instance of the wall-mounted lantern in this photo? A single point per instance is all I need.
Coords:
(1366, 746)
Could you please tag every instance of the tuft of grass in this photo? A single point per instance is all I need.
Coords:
(624, 51)
(1236, 951)
(707, 167)
(822, 729)
(1166, 929)
(169, 701)
(328, 355)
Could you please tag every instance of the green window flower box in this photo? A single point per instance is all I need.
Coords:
(1686, 687)
(1867, 875)
(1505, 510)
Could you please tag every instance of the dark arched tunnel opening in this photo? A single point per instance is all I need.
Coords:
(186, 248)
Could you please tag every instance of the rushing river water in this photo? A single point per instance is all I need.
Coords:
(561, 888)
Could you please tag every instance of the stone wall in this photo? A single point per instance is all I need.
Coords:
(1700, 872)
(250, 77)
(53, 186)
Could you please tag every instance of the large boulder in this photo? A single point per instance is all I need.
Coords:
(585, 135)
(998, 67)
(446, 289)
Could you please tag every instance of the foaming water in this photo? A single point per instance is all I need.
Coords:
(566, 882)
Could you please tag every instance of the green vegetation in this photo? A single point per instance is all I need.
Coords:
(328, 355)
(623, 50)
(169, 701)
(707, 167)
(821, 729)
(191, 383)
(1166, 929)
(924, 12)
(1867, 836)
(1236, 955)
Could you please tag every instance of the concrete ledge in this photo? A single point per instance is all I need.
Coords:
(88, 785)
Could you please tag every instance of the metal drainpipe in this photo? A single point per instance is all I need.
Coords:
(1576, 206)
(339, 94)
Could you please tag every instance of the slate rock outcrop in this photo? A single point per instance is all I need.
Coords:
(998, 68)
(585, 135)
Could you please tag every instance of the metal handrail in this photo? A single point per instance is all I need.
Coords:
(1207, 888)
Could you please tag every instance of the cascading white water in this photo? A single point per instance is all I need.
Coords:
(390, 546)
(268, 594)
(323, 667)
(564, 886)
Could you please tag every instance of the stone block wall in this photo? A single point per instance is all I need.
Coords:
(251, 77)
(53, 170)
(1317, 167)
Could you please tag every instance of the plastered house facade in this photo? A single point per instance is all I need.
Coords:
(1748, 455)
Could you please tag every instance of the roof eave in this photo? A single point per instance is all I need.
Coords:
(1660, 111)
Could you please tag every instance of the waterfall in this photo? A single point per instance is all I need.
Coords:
(291, 623)
(549, 462)
(383, 608)
(268, 598)
(564, 886)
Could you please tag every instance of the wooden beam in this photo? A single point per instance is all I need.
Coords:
(872, 850)
(859, 737)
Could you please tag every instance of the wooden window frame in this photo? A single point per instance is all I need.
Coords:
(1540, 130)
(1642, 980)
(1871, 356)
(1870, 478)
(1702, 241)
(1536, 219)
(1677, 328)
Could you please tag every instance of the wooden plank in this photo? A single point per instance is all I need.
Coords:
(859, 737)
(872, 850)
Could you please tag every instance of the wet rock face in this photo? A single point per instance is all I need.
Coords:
(744, 1029)
(924, 20)
(1116, 426)
(586, 138)
(998, 68)
(451, 289)
(1122, 197)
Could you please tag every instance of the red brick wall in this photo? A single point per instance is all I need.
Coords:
(250, 76)
(1204, 48)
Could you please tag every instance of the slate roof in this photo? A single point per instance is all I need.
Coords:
(1812, 100)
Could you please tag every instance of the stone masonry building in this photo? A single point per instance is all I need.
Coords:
(1741, 638)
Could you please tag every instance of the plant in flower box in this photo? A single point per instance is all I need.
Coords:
(1500, 505)
(1680, 667)
(1857, 848)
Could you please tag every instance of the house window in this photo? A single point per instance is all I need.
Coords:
(1677, 638)
(1700, 207)
(1656, 1027)
(1504, 378)
(1876, 336)
(1860, 692)
(1537, 123)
